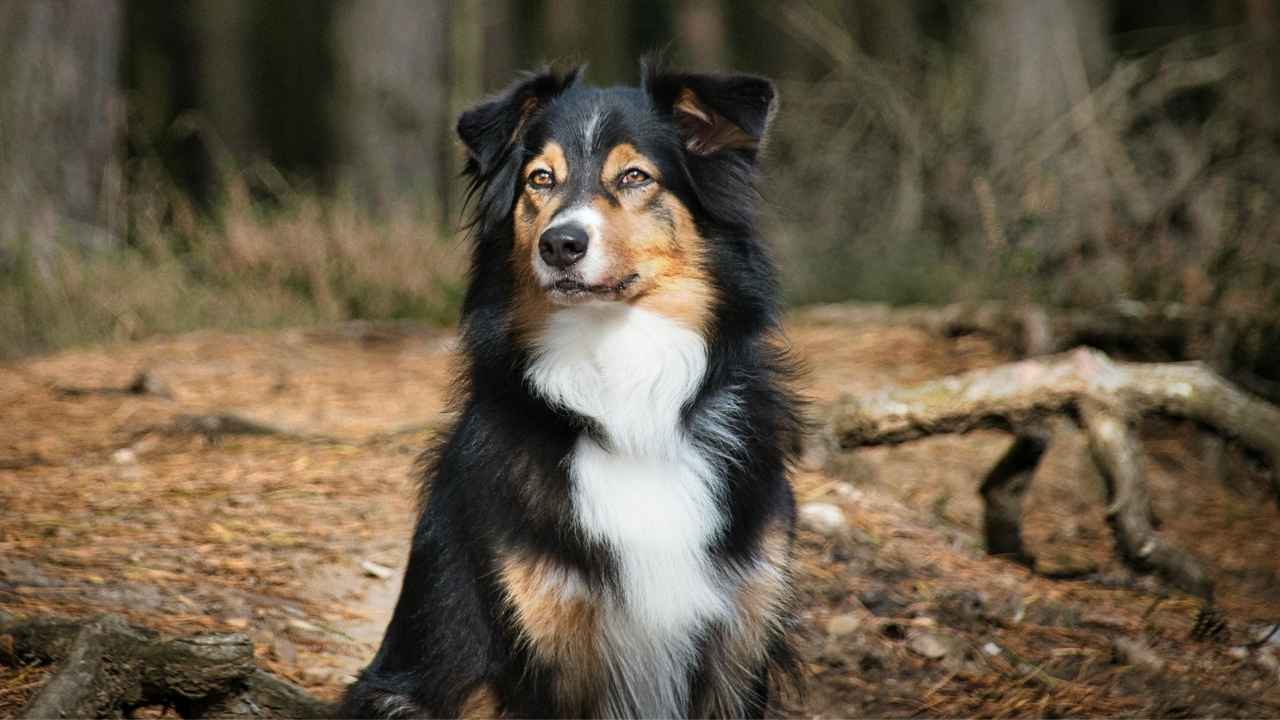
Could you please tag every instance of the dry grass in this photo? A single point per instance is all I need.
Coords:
(302, 261)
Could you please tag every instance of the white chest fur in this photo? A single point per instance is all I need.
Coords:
(650, 495)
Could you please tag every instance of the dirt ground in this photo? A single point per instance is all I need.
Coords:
(129, 503)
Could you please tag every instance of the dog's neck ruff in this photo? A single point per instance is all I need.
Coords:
(645, 489)
(629, 370)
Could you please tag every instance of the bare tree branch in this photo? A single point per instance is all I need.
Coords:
(1117, 452)
(1018, 393)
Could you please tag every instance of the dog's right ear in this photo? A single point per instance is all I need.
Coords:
(491, 128)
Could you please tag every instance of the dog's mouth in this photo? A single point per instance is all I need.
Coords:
(571, 290)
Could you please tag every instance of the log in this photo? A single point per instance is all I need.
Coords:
(108, 666)
(265, 695)
(87, 684)
(1103, 397)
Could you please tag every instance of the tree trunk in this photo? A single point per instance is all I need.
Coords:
(1024, 82)
(1262, 18)
(1036, 61)
(222, 36)
(394, 102)
(61, 117)
(700, 28)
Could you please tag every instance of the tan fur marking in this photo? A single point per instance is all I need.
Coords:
(481, 703)
(555, 615)
(552, 159)
(552, 156)
(705, 130)
(647, 231)
(765, 589)
(623, 157)
(687, 102)
(682, 290)
(533, 212)
(668, 253)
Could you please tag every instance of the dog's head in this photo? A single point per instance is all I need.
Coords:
(612, 195)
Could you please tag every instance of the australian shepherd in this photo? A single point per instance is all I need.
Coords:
(607, 524)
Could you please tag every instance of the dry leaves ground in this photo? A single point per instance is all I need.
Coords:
(120, 502)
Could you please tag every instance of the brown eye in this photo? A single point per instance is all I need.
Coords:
(541, 180)
(634, 178)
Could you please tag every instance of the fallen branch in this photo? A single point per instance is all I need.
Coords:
(107, 666)
(1117, 453)
(1020, 393)
(216, 426)
(1102, 396)
(144, 383)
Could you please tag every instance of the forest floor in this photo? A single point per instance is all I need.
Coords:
(129, 503)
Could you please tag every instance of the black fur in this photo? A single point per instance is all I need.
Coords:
(498, 476)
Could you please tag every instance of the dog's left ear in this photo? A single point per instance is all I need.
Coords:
(714, 113)
(491, 128)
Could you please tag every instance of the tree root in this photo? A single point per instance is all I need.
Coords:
(108, 666)
(1118, 455)
(1003, 490)
(1102, 397)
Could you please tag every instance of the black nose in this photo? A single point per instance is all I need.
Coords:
(563, 246)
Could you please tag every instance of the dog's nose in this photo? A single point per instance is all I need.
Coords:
(563, 246)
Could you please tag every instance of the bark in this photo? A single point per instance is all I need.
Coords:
(700, 27)
(61, 124)
(1004, 489)
(1262, 19)
(221, 30)
(1102, 396)
(1019, 393)
(85, 685)
(394, 123)
(265, 695)
(1117, 453)
(107, 666)
(1025, 85)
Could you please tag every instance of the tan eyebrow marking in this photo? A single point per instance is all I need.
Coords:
(626, 156)
(551, 158)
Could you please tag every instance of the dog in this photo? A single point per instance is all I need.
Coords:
(607, 525)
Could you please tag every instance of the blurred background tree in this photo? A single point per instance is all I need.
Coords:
(174, 164)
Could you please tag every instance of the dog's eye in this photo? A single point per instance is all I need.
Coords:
(634, 177)
(541, 179)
